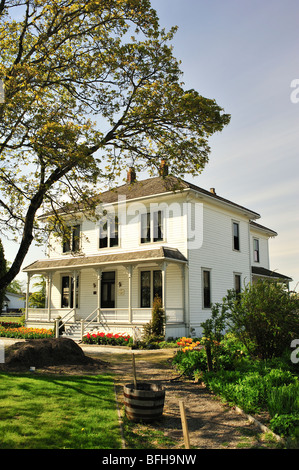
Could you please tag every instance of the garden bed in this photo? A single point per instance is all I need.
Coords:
(266, 388)
(14, 329)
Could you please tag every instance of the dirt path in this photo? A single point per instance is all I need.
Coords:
(211, 424)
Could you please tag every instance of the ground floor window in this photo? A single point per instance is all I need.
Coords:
(238, 283)
(67, 292)
(108, 290)
(206, 288)
(150, 287)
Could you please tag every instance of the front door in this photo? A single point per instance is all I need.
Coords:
(108, 290)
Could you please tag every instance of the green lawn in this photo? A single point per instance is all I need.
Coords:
(61, 412)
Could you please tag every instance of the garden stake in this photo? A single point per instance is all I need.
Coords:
(134, 371)
(184, 425)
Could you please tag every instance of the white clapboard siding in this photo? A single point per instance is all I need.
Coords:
(217, 255)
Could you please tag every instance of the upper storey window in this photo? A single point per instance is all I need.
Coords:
(256, 250)
(236, 236)
(152, 227)
(71, 239)
(109, 232)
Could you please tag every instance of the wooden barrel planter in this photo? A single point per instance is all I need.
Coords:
(144, 402)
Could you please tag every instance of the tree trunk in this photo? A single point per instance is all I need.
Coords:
(209, 358)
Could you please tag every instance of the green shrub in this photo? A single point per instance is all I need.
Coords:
(237, 388)
(254, 385)
(158, 317)
(283, 399)
(153, 331)
(10, 324)
(274, 390)
(265, 317)
(286, 425)
(226, 355)
(190, 361)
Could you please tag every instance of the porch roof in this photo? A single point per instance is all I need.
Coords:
(162, 253)
(263, 272)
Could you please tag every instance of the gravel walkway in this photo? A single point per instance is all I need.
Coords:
(211, 424)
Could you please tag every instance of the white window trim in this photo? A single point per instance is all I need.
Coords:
(71, 240)
(259, 249)
(70, 276)
(151, 269)
(233, 236)
(116, 280)
(163, 224)
(109, 216)
(234, 280)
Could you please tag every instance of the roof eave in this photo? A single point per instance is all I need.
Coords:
(247, 212)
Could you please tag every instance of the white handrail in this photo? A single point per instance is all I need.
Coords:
(67, 315)
(60, 322)
(87, 318)
(84, 325)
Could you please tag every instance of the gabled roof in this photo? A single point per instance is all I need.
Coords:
(162, 185)
(262, 228)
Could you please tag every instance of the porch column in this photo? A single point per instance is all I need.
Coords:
(99, 278)
(129, 271)
(183, 270)
(27, 296)
(49, 292)
(164, 267)
(75, 292)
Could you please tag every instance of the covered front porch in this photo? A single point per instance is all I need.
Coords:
(112, 292)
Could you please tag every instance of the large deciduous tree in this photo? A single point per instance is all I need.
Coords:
(2, 273)
(89, 86)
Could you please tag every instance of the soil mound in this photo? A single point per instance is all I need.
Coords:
(45, 352)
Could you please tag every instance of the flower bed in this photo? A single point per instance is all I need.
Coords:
(10, 324)
(110, 339)
(257, 386)
(25, 333)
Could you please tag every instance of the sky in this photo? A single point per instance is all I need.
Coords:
(245, 55)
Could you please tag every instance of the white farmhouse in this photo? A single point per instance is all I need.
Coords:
(13, 302)
(160, 236)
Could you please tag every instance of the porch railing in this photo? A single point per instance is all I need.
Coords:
(112, 315)
(42, 314)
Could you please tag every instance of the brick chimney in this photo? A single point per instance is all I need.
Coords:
(163, 171)
(131, 175)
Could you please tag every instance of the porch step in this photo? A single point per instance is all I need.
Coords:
(73, 331)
